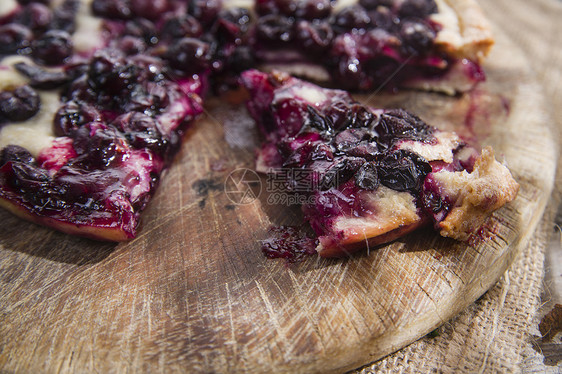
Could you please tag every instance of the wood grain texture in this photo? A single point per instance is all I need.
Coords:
(193, 292)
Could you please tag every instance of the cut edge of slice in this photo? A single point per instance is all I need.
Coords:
(466, 31)
(96, 232)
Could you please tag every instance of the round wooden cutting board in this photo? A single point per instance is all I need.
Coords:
(194, 293)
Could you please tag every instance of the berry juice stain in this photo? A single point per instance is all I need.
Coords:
(289, 243)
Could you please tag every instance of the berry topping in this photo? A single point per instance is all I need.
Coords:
(142, 131)
(109, 74)
(20, 104)
(373, 4)
(352, 17)
(403, 171)
(98, 147)
(396, 125)
(275, 28)
(149, 9)
(233, 22)
(142, 29)
(41, 78)
(304, 9)
(15, 153)
(64, 16)
(117, 9)
(72, 115)
(179, 26)
(367, 177)
(52, 48)
(417, 37)
(417, 8)
(205, 11)
(14, 37)
(314, 36)
(36, 16)
(188, 55)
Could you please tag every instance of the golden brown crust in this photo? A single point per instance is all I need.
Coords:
(396, 215)
(466, 32)
(477, 195)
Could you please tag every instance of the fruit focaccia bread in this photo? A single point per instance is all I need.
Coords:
(90, 116)
(372, 175)
(373, 44)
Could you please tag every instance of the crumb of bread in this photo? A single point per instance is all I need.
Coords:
(477, 194)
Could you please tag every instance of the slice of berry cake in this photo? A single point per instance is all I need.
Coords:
(374, 44)
(90, 116)
(377, 174)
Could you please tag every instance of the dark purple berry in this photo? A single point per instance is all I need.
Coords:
(141, 131)
(275, 28)
(52, 48)
(64, 16)
(14, 37)
(179, 26)
(41, 78)
(367, 177)
(36, 16)
(356, 116)
(341, 171)
(110, 73)
(417, 8)
(284, 7)
(149, 9)
(150, 99)
(98, 147)
(188, 55)
(313, 9)
(81, 90)
(15, 153)
(142, 28)
(352, 17)
(347, 140)
(150, 68)
(398, 124)
(316, 122)
(19, 105)
(205, 11)
(29, 178)
(238, 18)
(417, 37)
(130, 45)
(73, 115)
(117, 9)
(350, 74)
(301, 9)
(383, 18)
(26, 2)
(314, 36)
(321, 151)
(403, 171)
(242, 58)
(373, 4)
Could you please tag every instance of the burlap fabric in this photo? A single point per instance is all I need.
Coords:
(493, 335)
